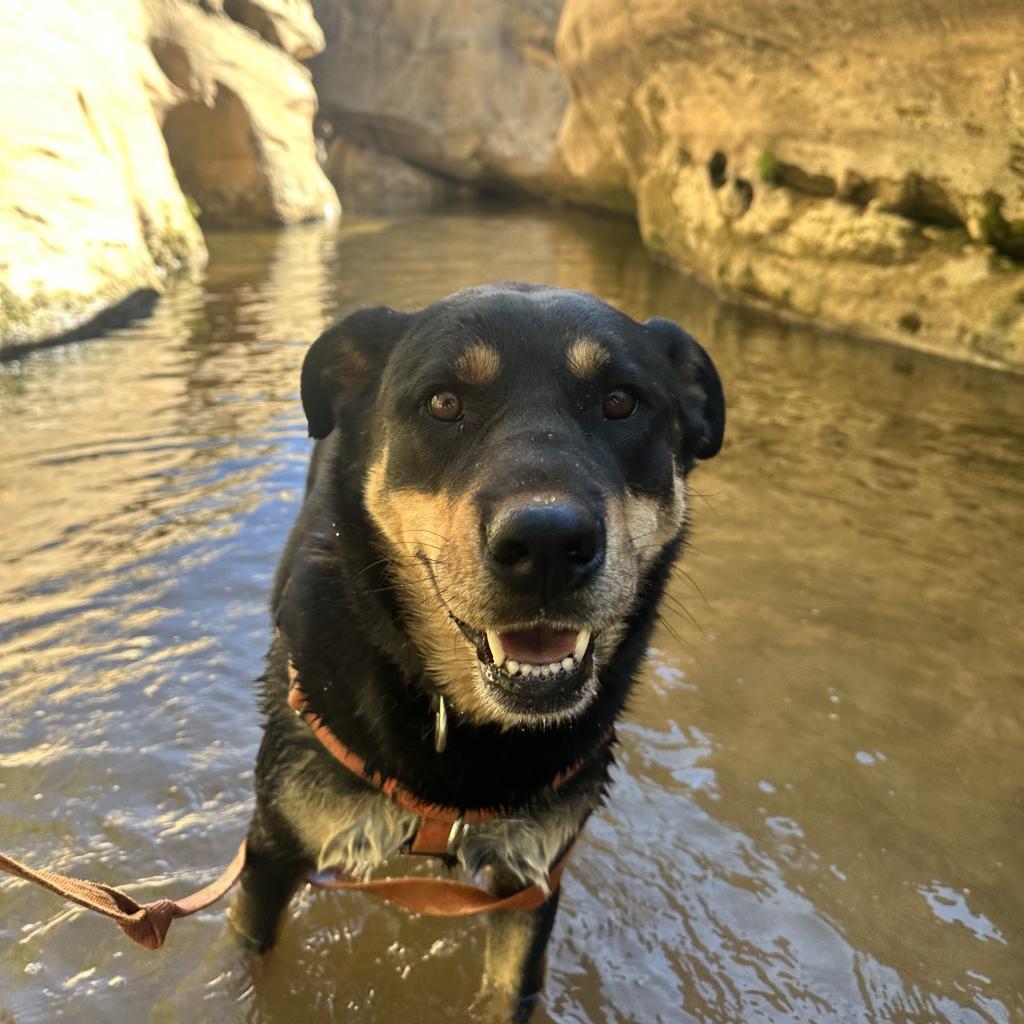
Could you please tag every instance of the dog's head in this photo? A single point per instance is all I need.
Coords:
(526, 452)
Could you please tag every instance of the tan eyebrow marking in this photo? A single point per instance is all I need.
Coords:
(586, 357)
(478, 364)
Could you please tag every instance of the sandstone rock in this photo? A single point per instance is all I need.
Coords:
(92, 213)
(239, 127)
(287, 24)
(860, 165)
(370, 182)
(467, 90)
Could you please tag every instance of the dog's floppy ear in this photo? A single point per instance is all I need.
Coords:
(698, 390)
(345, 362)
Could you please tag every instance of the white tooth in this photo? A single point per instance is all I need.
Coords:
(568, 664)
(542, 670)
(529, 670)
(554, 668)
(497, 651)
(582, 643)
(511, 667)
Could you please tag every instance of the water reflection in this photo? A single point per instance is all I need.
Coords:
(819, 811)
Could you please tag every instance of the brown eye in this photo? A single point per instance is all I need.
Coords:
(618, 404)
(445, 406)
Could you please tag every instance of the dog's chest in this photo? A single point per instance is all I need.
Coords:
(357, 833)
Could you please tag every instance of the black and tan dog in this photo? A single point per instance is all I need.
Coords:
(492, 511)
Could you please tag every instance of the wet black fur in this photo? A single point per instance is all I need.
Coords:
(334, 600)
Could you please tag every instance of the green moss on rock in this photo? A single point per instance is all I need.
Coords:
(768, 169)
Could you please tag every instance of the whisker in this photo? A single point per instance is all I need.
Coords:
(689, 579)
(680, 608)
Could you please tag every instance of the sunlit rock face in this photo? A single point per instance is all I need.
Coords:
(466, 90)
(858, 164)
(121, 122)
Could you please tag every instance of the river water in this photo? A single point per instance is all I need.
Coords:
(819, 810)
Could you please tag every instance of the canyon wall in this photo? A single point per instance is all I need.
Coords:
(859, 166)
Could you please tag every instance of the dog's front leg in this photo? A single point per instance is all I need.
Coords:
(273, 871)
(515, 960)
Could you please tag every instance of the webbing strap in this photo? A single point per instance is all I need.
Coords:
(148, 923)
(144, 923)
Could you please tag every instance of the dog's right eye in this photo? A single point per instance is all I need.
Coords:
(618, 404)
(445, 406)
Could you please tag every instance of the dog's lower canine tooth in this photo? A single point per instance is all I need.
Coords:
(497, 650)
(568, 664)
(582, 643)
(511, 667)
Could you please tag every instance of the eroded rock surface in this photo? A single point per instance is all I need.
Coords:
(466, 90)
(120, 121)
(860, 165)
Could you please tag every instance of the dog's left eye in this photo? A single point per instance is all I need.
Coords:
(445, 406)
(618, 404)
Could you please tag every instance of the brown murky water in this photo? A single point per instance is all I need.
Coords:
(819, 815)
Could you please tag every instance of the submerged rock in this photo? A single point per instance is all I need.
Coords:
(861, 166)
(124, 120)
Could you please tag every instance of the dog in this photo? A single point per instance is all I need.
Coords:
(495, 499)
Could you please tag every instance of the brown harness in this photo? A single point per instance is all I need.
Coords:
(439, 833)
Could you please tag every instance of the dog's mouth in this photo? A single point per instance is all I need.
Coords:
(541, 651)
(538, 669)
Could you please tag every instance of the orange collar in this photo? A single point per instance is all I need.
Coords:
(441, 828)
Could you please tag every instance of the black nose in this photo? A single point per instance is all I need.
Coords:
(547, 549)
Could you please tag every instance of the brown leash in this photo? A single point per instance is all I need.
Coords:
(439, 833)
(148, 923)
(144, 923)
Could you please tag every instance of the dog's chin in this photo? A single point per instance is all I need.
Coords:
(535, 675)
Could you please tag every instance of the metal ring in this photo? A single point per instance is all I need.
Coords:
(440, 726)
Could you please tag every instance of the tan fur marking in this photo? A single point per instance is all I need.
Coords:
(416, 524)
(651, 523)
(586, 357)
(479, 364)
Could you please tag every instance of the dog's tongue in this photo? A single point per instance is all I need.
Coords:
(540, 645)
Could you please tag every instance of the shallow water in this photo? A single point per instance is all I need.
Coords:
(819, 814)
